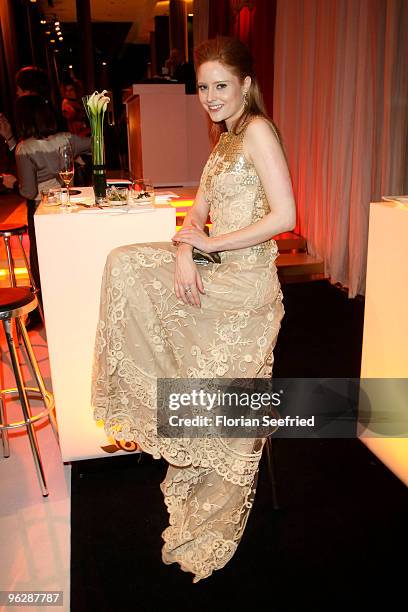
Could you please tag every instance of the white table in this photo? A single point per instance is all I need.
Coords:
(385, 339)
(72, 250)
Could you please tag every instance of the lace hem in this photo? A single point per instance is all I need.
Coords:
(216, 553)
(200, 548)
(230, 463)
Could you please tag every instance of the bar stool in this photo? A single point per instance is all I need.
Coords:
(14, 303)
(7, 231)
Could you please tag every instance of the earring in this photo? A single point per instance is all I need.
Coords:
(245, 98)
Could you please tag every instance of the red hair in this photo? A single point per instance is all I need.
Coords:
(235, 56)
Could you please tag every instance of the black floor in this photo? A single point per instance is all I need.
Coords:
(339, 537)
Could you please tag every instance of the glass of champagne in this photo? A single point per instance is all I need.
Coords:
(66, 170)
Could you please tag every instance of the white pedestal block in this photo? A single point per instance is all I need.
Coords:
(167, 135)
(72, 251)
(385, 341)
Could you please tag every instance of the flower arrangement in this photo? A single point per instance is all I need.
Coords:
(95, 107)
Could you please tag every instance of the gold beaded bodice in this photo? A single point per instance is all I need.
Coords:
(234, 193)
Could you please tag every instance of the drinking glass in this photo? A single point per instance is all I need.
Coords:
(141, 191)
(116, 196)
(66, 170)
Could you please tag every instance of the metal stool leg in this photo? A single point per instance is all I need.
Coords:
(271, 469)
(4, 433)
(10, 261)
(37, 374)
(25, 408)
(31, 277)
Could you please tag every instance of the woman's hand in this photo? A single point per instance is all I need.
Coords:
(187, 280)
(196, 237)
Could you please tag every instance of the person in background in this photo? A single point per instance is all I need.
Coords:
(37, 158)
(29, 80)
(73, 109)
(181, 71)
(6, 131)
(74, 113)
(32, 79)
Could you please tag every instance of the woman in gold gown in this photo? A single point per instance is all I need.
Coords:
(162, 317)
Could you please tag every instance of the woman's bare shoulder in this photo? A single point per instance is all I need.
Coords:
(261, 127)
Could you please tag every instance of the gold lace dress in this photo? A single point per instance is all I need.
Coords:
(145, 332)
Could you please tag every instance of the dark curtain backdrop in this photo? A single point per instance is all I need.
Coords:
(254, 24)
(220, 18)
(8, 56)
(8, 66)
(262, 45)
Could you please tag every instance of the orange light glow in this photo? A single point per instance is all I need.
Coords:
(17, 271)
(181, 203)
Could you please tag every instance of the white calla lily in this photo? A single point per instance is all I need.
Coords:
(95, 106)
(91, 101)
(102, 103)
(95, 103)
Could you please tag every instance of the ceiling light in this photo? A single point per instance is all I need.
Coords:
(48, 32)
(60, 38)
(191, 14)
(43, 21)
(52, 40)
(103, 63)
(70, 66)
(56, 23)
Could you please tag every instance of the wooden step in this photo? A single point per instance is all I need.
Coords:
(289, 241)
(290, 264)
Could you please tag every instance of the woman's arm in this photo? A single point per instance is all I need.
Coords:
(263, 149)
(80, 144)
(7, 132)
(199, 211)
(186, 275)
(197, 215)
(27, 175)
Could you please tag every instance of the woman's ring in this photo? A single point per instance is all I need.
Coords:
(187, 290)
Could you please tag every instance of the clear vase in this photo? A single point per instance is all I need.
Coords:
(98, 169)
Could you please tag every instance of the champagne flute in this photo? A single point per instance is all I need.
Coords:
(66, 169)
